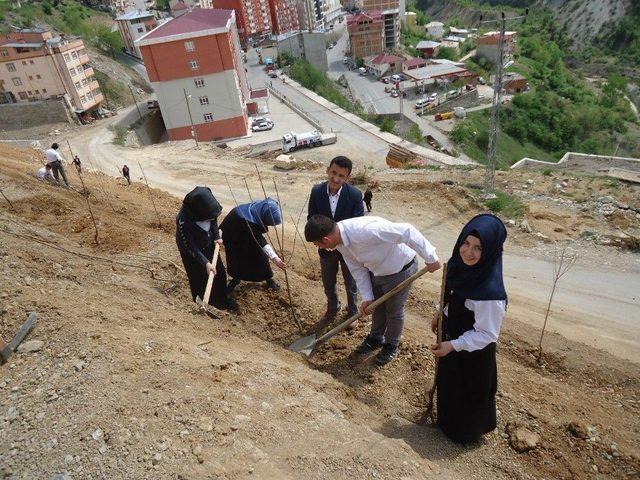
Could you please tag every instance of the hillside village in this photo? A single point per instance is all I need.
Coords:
(448, 109)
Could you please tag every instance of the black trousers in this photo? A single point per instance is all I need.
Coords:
(198, 277)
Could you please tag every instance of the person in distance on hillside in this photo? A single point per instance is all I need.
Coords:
(474, 306)
(55, 161)
(44, 174)
(368, 196)
(380, 254)
(196, 234)
(248, 252)
(78, 164)
(338, 200)
(125, 174)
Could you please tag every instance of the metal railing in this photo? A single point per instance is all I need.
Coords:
(297, 108)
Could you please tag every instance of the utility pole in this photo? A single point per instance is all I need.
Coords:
(495, 112)
(193, 130)
(135, 101)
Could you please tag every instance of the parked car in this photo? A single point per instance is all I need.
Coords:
(362, 71)
(273, 74)
(151, 104)
(262, 126)
(481, 81)
(433, 97)
(345, 60)
(394, 93)
(423, 102)
(388, 89)
(396, 78)
(384, 79)
(257, 120)
(452, 93)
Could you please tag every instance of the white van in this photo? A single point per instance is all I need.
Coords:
(362, 71)
(423, 102)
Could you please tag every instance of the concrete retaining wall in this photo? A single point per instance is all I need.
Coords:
(299, 110)
(583, 162)
(16, 116)
(152, 130)
(466, 100)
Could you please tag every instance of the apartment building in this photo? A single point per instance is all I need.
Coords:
(35, 65)
(253, 18)
(391, 15)
(134, 25)
(488, 46)
(285, 16)
(326, 12)
(366, 34)
(195, 66)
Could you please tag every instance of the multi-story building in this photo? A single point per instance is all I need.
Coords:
(326, 12)
(253, 18)
(366, 34)
(285, 16)
(390, 10)
(435, 29)
(121, 6)
(195, 66)
(35, 65)
(310, 46)
(132, 26)
(488, 46)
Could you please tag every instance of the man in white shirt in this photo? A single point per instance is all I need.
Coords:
(44, 174)
(380, 254)
(55, 160)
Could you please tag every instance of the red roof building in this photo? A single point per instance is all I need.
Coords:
(366, 33)
(384, 63)
(414, 63)
(253, 17)
(195, 66)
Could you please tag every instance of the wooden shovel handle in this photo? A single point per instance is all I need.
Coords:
(441, 309)
(207, 291)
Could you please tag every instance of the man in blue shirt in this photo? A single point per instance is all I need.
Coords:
(337, 200)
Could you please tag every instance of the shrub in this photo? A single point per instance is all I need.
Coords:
(507, 205)
(387, 125)
(547, 172)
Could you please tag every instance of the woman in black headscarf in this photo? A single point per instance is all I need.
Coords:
(475, 304)
(196, 233)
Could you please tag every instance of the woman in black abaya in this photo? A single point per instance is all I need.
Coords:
(196, 234)
(475, 304)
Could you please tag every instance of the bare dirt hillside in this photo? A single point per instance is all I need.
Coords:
(130, 382)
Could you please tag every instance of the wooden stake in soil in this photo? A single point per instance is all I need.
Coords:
(429, 411)
(85, 193)
(8, 201)
(150, 195)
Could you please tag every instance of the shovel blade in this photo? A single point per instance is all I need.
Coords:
(208, 309)
(304, 345)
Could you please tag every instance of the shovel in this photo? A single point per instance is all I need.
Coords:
(207, 291)
(308, 344)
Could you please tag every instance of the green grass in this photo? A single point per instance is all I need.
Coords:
(505, 204)
(472, 136)
(120, 134)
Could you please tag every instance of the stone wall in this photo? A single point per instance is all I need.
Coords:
(466, 100)
(16, 116)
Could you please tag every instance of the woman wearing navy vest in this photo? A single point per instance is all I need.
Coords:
(475, 304)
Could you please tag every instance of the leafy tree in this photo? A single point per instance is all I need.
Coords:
(108, 40)
(447, 53)
(414, 134)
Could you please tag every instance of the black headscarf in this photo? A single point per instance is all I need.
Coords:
(200, 204)
(482, 281)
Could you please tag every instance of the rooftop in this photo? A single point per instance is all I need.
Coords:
(435, 70)
(383, 58)
(415, 61)
(179, 5)
(133, 14)
(427, 44)
(435, 24)
(358, 17)
(198, 22)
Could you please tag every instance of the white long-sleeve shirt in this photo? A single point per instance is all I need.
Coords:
(52, 155)
(488, 316)
(373, 244)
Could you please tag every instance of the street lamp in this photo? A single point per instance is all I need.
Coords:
(497, 99)
(193, 130)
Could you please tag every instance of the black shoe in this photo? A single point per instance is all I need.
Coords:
(368, 345)
(230, 305)
(272, 285)
(388, 353)
(232, 285)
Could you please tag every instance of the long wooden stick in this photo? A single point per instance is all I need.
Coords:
(286, 276)
(150, 195)
(265, 197)
(429, 412)
(207, 290)
(8, 201)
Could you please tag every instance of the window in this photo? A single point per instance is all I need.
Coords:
(23, 95)
(37, 92)
(11, 67)
(24, 62)
(16, 81)
(74, 54)
(199, 82)
(67, 57)
(89, 95)
(204, 100)
(193, 64)
(38, 77)
(44, 90)
(78, 85)
(30, 77)
(85, 81)
(189, 46)
(4, 52)
(208, 117)
(31, 62)
(72, 71)
(83, 99)
(140, 29)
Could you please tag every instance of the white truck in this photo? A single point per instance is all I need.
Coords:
(293, 141)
